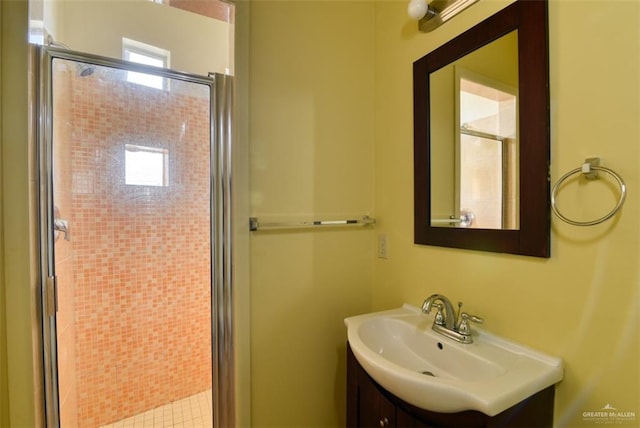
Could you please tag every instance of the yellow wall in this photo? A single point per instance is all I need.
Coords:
(582, 303)
(4, 387)
(311, 112)
(18, 285)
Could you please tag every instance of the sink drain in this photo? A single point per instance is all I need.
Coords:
(428, 373)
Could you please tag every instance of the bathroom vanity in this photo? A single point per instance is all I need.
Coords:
(402, 371)
(370, 405)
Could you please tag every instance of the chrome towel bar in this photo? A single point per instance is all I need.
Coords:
(255, 224)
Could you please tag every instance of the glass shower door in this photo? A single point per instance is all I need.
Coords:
(135, 215)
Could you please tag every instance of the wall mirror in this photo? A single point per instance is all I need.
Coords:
(481, 136)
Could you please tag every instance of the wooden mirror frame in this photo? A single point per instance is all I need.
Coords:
(532, 238)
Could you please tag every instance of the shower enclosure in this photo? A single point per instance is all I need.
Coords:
(135, 241)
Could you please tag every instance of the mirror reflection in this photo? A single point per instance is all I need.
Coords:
(481, 136)
(474, 135)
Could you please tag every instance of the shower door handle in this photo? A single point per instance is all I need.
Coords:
(62, 226)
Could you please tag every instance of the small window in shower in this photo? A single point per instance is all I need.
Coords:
(146, 166)
(143, 53)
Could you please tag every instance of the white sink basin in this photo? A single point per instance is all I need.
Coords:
(402, 353)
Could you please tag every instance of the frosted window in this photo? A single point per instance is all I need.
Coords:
(146, 166)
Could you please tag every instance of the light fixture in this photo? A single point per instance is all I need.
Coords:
(432, 15)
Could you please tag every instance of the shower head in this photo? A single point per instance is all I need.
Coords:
(85, 70)
(55, 44)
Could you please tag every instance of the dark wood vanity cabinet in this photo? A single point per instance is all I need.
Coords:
(369, 405)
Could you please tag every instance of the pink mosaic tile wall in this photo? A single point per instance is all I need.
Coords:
(141, 254)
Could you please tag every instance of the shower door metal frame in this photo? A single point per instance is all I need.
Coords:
(221, 127)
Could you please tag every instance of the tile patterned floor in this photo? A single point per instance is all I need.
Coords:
(190, 412)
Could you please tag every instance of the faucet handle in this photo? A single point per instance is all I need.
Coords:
(464, 328)
(474, 318)
(439, 318)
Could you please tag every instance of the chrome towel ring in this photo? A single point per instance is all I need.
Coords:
(590, 168)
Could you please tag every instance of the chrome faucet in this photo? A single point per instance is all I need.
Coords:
(450, 324)
(449, 319)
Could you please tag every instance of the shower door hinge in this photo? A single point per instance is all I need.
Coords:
(51, 297)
